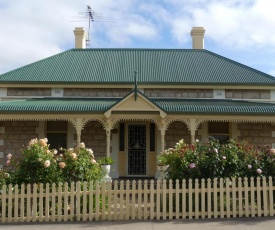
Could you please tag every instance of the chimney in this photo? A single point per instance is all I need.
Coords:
(197, 34)
(80, 38)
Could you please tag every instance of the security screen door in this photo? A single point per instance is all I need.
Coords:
(136, 149)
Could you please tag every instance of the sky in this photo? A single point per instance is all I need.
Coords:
(241, 30)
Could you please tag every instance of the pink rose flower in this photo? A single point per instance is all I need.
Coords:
(223, 157)
(74, 156)
(192, 165)
(62, 165)
(259, 171)
(9, 156)
(42, 142)
(47, 163)
(81, 145)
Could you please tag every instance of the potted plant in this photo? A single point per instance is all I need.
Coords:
(105, 164)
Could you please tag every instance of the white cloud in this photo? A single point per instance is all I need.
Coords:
(32, 30)
(239, 24)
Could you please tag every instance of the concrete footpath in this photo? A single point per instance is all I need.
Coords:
(262, 223)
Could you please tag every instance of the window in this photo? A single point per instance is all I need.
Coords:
(57, 134)
(152, 137)
(121, 136)
(219, 130)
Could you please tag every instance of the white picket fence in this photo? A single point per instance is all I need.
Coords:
(142, 200)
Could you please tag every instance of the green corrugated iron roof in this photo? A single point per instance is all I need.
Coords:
(215, 106)
(154, 66)
(57, 105)
(100, 105)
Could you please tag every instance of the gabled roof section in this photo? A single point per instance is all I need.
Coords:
(153, 66)
(136, 102)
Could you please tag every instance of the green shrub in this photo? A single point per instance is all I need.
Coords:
(78, 164)
(214, 160)
(39, 164)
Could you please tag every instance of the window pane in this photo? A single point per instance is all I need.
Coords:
(57, 140)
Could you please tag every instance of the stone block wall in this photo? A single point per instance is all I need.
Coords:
(94, 137)
(258, 134)
(29, 92)
(179, 93)
(175, 132)
(247, 94)
(71, 92)
(15, 134)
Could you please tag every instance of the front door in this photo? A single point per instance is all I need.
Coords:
(136, 150)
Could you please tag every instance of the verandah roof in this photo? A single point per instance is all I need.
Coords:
(100, 105)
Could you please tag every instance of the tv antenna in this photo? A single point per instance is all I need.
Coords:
(91, 16)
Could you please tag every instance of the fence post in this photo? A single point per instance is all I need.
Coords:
(34, 203)
(28, 202)
(215, 198)
(234, 202)
(60, 205)
(252, 192)
(265, 196)
(72, 190)
(259, 203)
(221, 198)
(209, 198)
(91, 200)
(177, 199)
(121, 199)
(152, 199)
(270, 192)
(170, 199)
(202, 208)
(10, 203)
(164, 200)
(227, 198)
(139, 199)
(65, 201)
(158, 202)
(103, 197)
(16, 200)
(145, 190)
(246, 203)
(22, 203)
(4, 189)
(84, 209)
(240, 196)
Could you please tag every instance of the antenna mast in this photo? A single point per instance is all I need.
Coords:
(91, 16)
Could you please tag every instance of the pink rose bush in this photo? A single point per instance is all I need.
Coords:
(79, 164)
(40, 164)
(214, 160)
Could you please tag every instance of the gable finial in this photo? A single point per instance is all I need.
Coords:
(135, 85)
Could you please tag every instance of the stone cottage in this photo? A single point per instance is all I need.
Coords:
(131, 104)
